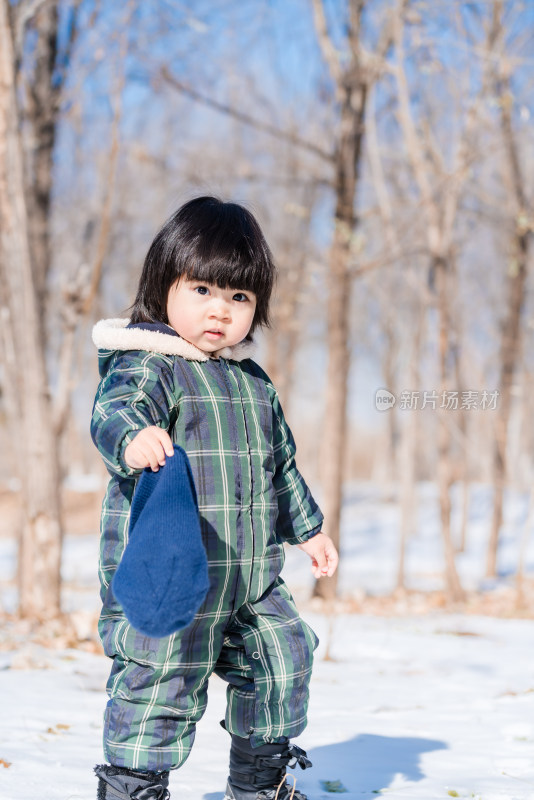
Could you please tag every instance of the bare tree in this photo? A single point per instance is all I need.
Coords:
(42, 85)
(402, 450)
(293, 259)
(439, 199)
(37, 107)
(520, 241)
(353, 78)
(80, 292)
(24, 362)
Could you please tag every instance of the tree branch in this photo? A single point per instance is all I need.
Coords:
(74, 31)
(414, 144)
(265, 127)
(328, 49)
(354, 34)
(23, 13)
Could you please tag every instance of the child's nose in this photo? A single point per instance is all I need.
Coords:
(220, 309)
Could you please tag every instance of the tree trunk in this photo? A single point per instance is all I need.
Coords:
(466, 501)
(338, 337)
(517, 274)
(511, 332)
(523, 547)
(406, 474)
(40, 544)
(387, 455)
(40, 117)
(510, 346)
(454, 587)
(462, 471)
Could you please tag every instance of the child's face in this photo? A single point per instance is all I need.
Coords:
(210, 317)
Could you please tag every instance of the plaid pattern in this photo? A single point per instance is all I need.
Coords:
(227, 417)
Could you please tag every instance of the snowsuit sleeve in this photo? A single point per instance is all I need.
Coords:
(299, 516)
(135, 393)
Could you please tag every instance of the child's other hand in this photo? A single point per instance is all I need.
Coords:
(149, 448)
(323, 553)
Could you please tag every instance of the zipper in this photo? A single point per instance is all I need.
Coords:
(227, 369)
(251, 474)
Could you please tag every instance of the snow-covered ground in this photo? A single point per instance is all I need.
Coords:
(409, 708)
(426, 707)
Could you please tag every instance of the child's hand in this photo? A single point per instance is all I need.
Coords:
(322, 551)
(149, 448)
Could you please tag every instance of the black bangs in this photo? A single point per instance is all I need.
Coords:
(211, 241)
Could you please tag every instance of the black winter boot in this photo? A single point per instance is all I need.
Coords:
(258, 773)
(119, 783)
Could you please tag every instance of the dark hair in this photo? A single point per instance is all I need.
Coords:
(206, 240)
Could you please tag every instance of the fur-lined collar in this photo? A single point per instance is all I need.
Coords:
(114, 334)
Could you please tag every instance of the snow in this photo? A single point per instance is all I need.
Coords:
(433, 706)
(370, 537)
(408, 708)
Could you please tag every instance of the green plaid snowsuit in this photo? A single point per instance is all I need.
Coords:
(225, 413)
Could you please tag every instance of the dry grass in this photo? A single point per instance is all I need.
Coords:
(504, 602)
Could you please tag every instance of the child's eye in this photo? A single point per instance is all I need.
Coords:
(202, 290)
(240, 297)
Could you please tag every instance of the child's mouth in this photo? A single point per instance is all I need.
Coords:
(214, 334)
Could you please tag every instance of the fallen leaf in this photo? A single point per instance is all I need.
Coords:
(57, 728)
(4, 763)
(335, 787)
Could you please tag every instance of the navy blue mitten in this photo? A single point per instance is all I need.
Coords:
(162, 578)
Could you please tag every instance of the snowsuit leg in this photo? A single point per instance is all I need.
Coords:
(267, 660)
(158, 687)
(158, 692)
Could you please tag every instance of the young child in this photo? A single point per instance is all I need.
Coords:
(180, 371)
